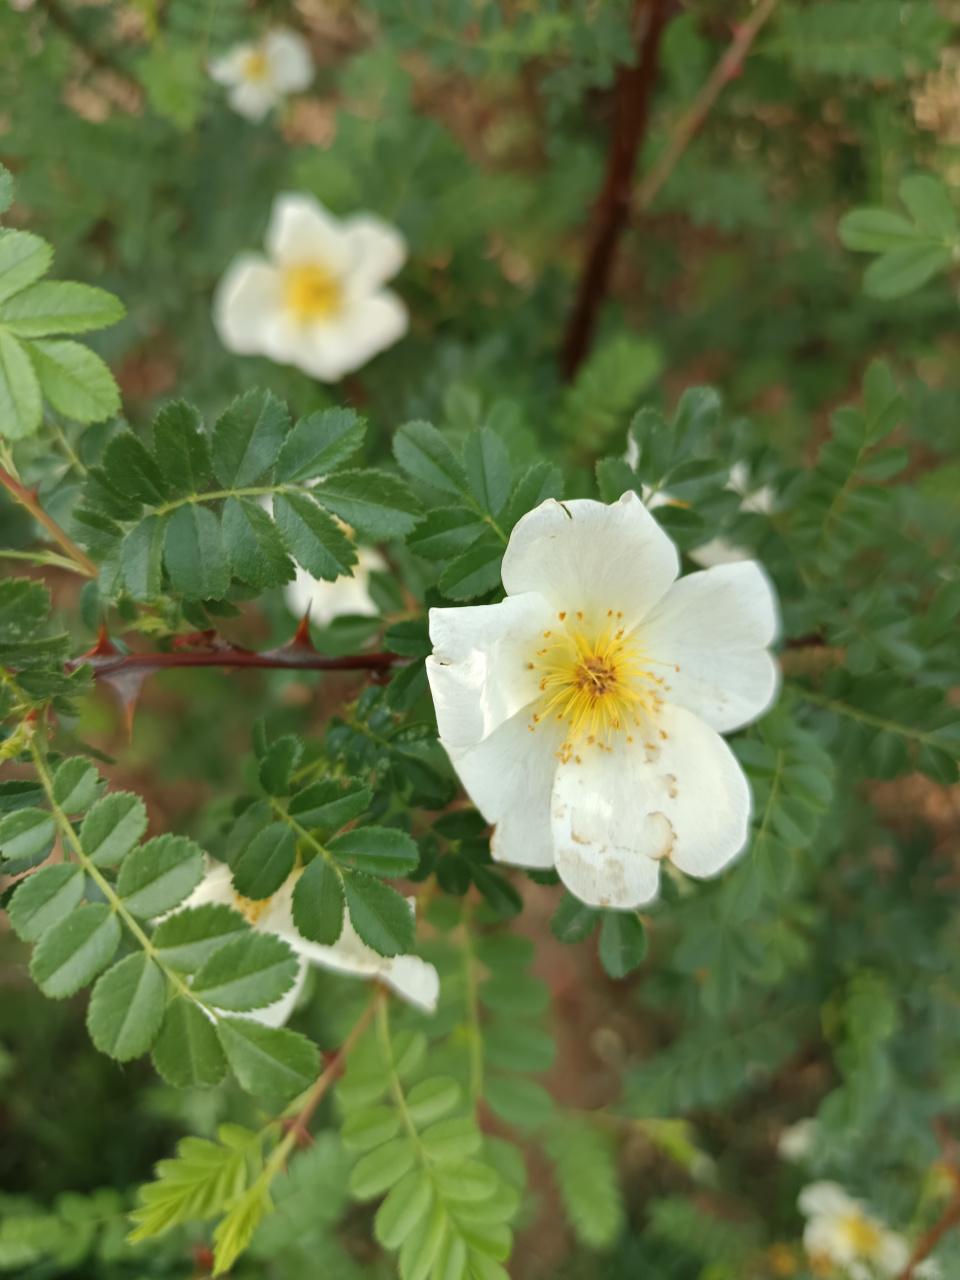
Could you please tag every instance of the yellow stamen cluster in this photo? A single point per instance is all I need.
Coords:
(311, 292)
(251, 909)
(863, 1234)
(598, 679)
(255, 66)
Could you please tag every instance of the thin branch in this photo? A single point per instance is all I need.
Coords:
(612, 213)
(930, 1239)
(287, 658)
(28, 498)
(695, 114)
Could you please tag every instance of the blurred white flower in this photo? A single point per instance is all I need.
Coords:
(260, 75)
(928, 1269)
(796, 1140)
(410, 977)
(842, 1234)
(316, 300)
(583, 713)
(349, 594)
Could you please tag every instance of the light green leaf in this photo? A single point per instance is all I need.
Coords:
(112, 827)
(432, 1099)
(904, 270)
(60, 306)
(74, 380)
(45, 898)
(75, 785)
(67, 957)
(381, 917)
(249, 972)
(370, 1128)
(269, 1060)
(126, 1007)
(25, 832)
(623, 942)
(382, 1168)
(517, 1100)
(187, 1052)
(185, 940)
(931, 206)
(158, 875)
(21, 408)
(409, 1201)
(194, 554)
(488, 469)
(7, 189)
(451, 1141)
(877, 231)
(23, 259)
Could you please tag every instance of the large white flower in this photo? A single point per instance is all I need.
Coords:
(410, 977)
(346, 595)
(260, 75)
(584, 712)
(316, 300)
(841, 1233)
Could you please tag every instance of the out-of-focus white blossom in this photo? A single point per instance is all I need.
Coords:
(346, 595)
(841, 1234)
(261, 75)
(796, 1140)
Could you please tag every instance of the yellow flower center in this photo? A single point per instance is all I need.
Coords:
(255, 66)
(251, 908)
(311, 292)
(600, 681)
(862, 1234)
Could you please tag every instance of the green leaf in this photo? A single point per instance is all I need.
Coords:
(24, 606)
(141, 558)
(379, 851)
(930, 206)
(587, 1175)
(25, 833)
(253, 545)
(382, 1169)
(158, 875)
(446, 532)
(68, 957)
(235, 1231)
(265, 863)
(247, 439)
(904, 270)
(369, 1128)
(279, 761)
(382, 918)
(518, 1046)
(318, 903)
(56, 306)
(187, 1052)
(126, 1007)
(182, 447)
(23, 259)
(194, 554)
(518, 1101)
(424, 454)
(623, 942)
(21, 408)
(250, 972)
(474, 573)
(197, 1183)
(318, 445)
(411, 638)
(432, 1099)
(877, 231)
(269, 1060)
(373, 502)
(132, 468)
(487, 466)
(542, 481)
(330, 803)
(74, 380)
(75, 785)
(573, 920)
(45, 898)
(112, 827)
(515, 994)
(313, 536)
(7, 189)
(409, 1201)
(185, 940)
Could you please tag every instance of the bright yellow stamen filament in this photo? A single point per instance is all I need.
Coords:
(600, 681)
(311, 292)
(863, 1234)
(251, 909)
(255, 66)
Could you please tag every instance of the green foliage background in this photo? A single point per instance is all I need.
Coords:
(627, 1076)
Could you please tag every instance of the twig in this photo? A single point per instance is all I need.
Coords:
(28, 498)
(930, 1239)
(612, 213)
(694, 116)
(287, 658)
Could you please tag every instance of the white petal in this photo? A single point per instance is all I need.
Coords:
(302, 231)
(584, 555)
(228, 70)
(253, 99)
(821, 1198)
(347, 595)
(215, 887)
(480, 669)
(718, 551)
(508, 776)
(289, 60)
(379, 251)
(414, 981)
(362, 330)
(246, 300)
(894, 1253)
(616, 813)
(715, 626)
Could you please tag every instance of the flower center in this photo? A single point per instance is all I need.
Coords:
(600, 681)
(862, 1234)
(311, 292)
(255, 66)
(251, 908)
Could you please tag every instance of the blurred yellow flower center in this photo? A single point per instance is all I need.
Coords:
(311, 292)
(255, 66)
(250, 908)
(600, 681)
(862, 1234)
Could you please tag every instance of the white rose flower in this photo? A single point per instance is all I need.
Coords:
(796, 1140)
(260, 75)
(841, 1233)
(348, 594)
(316, 300)
(410, 977)
(584, 712)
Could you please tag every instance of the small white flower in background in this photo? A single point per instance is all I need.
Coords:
(584, 712)
(317, 299)
(796, 1140)
(410, 977)
(347, 595)
(261, 75)
(842, 1234)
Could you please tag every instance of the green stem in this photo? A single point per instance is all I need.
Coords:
(52, 558)
(473, 1009)
(877, 722)
(257, 491)
(396, 1088)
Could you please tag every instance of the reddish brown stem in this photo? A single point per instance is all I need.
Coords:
(28, 498)
(108, 664)
(612, 212)
(333, 1069)
(930, 1239)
